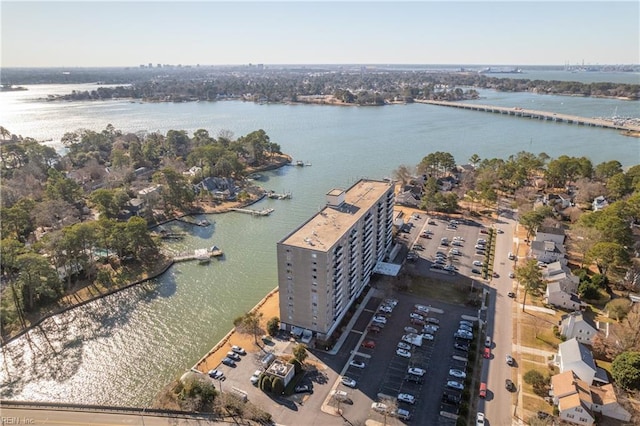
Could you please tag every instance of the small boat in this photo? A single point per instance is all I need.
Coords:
(204, 222)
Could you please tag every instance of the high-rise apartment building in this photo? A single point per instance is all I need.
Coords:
(324, 264)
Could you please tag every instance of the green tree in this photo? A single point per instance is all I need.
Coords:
(249, 323)
(273, 326)
(607, 169)
(530, 277)
(625, 370)
(474, 160)
(300, 352)
(607, 255)
(618, 308)
(532, 220)
(38, 281)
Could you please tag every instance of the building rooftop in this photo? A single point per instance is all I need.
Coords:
(324, 229)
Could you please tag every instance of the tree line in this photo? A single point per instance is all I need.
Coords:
(64, 218)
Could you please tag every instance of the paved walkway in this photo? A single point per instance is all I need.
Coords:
(538, 309)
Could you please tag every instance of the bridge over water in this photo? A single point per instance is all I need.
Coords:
(542, 115)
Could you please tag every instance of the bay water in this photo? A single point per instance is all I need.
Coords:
(121, 350)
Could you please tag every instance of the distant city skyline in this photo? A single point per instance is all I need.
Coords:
(519, 33)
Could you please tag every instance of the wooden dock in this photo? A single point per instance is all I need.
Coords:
(201, 255)
(263, 212)
(541, 115)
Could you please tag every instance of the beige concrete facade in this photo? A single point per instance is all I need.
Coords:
(324, 264)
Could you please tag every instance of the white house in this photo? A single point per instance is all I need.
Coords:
(557, 272)
(547, 252)
(573, 355)
(575, 325)
(556, 296)
(599, 203)
(550, 233)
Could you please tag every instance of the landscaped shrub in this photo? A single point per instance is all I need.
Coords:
(273, 326)
(265, 383)
(277, 386)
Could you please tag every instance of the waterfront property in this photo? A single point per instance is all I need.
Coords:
(324, 264)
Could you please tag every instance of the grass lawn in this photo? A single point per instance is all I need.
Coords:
(534, 403)
(536, 331)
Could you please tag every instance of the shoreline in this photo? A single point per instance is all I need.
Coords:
(167, 263)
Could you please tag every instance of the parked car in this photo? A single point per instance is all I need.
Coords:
(487, 353)
(451, 398)
(465, 332)
(432, 320)
(511, 294)
(348, 381)
(379, 407)
(427, 336)
(385, 309)
(412, 378)
(228, 362)
(455, 252)
(450, 268)
(415, 321)
(415, 316)
(465, 322)
(304, 389)
(509, 359)
(238, 350)
(465, 328)
(391, 302)
(511, 256)
(477, 263)
(480, 247)
(542, 415)
(482, 393)
(340, 395)
(403, 353)
(459, 335)
(480, 419)
(255, 377)
(457, 373)
(357, 363)
(484, 231)
(216, 374)
(402, 414)
(455, 385)
(481, 241)
(403, 345)
(410, 330)
(461, 347)
(421, 308)
(457, 243)
(430, 328)
(475, 271)
(487, 341)
(416, 371)
(369, 344)
(234, 356)
(512, 275)
(407, 397)
(508, 384)
(380, 319)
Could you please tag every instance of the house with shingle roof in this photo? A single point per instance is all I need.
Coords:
(576, 325)
(557, 296)
(575, 356)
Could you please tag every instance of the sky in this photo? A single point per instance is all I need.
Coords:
(126, 33)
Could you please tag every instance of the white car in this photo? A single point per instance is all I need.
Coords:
(380, 319)
(357, 364)
(415, 316)
(455, 251)
(410, 330)
(407, 397)
(427, 336)
(457, 373)
(403, 353)
(238, 350)
(391, 302)
(481, 241)
(487, 342)
(379, 407)
(405, 346)
(455, 385)
(348, 381)
(469, 323)
(430, 328)
(402, 414)
(450, 268)
(255, 377)
(386, 309)
(416, 371)
(216, 374)
(480, 419)
(477, 263)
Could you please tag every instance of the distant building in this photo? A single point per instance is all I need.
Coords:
(326, 263)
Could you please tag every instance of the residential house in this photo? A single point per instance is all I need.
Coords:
(576, 325)
(560, 298)
(150, 194)
(558, 201)
(219, 187)
(550, 233)
(573, 398)
(547, 252)
(574, 356)
(557, 272)
(578, 401)
(605, 402)
(599, 203)
(407, 198)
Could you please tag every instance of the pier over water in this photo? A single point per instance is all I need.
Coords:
(541, 115)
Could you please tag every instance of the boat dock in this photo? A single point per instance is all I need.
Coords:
(541, 115)
(276, 196)
(201, 255)
(263, 212)
(203, 222)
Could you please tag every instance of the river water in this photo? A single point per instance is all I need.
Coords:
(122, 349)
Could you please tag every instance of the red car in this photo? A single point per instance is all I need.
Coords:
(487, 353)
(374, 329)
(370, 344)
(483, 390)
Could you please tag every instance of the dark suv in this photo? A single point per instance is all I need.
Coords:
(413, 378)
(450, 398)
